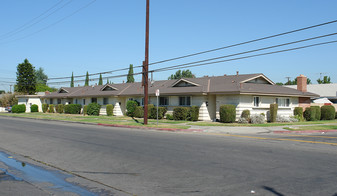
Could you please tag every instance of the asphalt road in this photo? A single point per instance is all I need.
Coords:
(119, 161)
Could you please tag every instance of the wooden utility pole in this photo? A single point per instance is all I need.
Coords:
(146, 63)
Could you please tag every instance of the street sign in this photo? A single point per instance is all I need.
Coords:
(157, 93)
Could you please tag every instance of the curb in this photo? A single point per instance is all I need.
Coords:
(153, 128)
(306, 131)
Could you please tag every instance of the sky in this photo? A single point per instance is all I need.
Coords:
(65, 36)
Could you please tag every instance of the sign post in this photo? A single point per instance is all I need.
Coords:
(157, 95)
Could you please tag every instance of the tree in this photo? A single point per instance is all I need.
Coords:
(130, 78)
(326, 80)
(25, 78)
(107, 80)
(44, 88)
(41, 77)
(182, 74)
(279, 83)
(100, 82)
(86, 80)
(72, 80)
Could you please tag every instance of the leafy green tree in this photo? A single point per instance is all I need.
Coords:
(130, 78)
(86, 80)
(100, 82)
(44, 88)
(25, 78)
(41, 77)
(326, 80)
(182, 74)
(72, 80)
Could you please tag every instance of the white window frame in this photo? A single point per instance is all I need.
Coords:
(185, 100)
(283, 102)
(107, 102)
(256, 101)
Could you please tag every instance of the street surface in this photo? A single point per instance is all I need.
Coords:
(119, 161)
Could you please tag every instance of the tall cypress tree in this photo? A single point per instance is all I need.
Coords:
(130, 78)
(25, 78)
(100, 82)
(86, 80)
(107, 80)
(72, 80)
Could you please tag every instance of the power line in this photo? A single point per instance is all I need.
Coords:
(62, 19)
(208, 51)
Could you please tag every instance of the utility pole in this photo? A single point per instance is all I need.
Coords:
(146, 63)
(10, 88)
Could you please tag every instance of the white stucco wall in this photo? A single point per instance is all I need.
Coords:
(29, 101)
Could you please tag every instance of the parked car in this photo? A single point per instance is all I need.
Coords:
(8, 109)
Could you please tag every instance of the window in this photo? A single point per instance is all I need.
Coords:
(283, 102)
(93, 100)
(51, 101)
(256, 101)
(75, 101)
(105, 101)
(163, 101)
(83, 101)
(184, 101)
(58, 101)
(142, 101)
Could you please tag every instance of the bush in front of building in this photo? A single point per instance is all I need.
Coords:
(21, 108)
(273, 112)
(109, 109)
(336, 116)
(245, 114)
(34, 108)
(51, 108)
(315, 113)
(149, 108)
(85, 110)
(139, 112)
(59, 108)
(257, 119)
(298, 111)
(131, 107)
(153, 112)
(227, 113)
(93, 109)
(44, 107)
(72, 108)
(169, 117)
(307, 114)
(193, 113)
(180, 113)
(328, 112)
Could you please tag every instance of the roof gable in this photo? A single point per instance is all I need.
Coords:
(260, 79)
(62, 90)
(108, 87)
(184, 83)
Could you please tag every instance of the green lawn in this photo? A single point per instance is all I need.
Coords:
(260, 125)
(314, 127)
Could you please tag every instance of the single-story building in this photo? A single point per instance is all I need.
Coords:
(254, 92)
(30, 100)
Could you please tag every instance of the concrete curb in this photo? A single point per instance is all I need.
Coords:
(153, 128)
(306, 131)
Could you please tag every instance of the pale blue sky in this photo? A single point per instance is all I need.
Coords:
(110, 34)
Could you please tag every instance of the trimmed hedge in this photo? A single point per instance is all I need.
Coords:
(109, 109)
(149, 108)
(85, 110)
(59, 108)
(315, 113)
(180, 113)
(193, 113)
(273, 112)
(336, 116)
(298, 111)
(19, 108)
(44, 107)
(139, 112)
(51, 108)
(328, 112)
(169, 117)
(131, 107)
(227, 113)
(93, 109)
(245, 114)
(153, 112)
(34, 108)
(307, 114)
(72, 108)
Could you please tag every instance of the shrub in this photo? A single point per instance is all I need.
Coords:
(257, 119)
(59, 108)
(139, 112)
(299, 118)
(34, 108)
(169, 117)
(193, 113)
(93, 109)
(109, 109)
(315, 113)
(280, 118)
(72, 109)
(131, 107)
(180, 113)
(44, 107)
(298, 111)
(149, 108)
(19, 108)
(85, 110)
(243, 120)
(153, 112)
(227, 113)
(245, 114)
(273, 112)
(51, 108)
(307, 114)
(336, 116)
(328, 112)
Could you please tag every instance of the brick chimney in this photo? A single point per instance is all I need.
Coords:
(302, 83)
